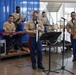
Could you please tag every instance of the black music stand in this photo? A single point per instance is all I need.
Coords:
(51, 37)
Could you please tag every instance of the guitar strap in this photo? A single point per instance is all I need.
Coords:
(19, 15)
(17, 20)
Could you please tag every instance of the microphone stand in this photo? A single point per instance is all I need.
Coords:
(63, 67)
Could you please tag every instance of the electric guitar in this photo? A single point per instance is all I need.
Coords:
(19, 20)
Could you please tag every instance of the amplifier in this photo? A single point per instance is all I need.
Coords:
(2, 46)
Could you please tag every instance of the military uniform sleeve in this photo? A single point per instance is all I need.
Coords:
(41, 24)
(5, 26)
(26, 26)
(67, 26)
(21, 16)
(42, 27)
(14, 27)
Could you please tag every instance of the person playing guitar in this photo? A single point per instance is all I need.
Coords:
(18, 19)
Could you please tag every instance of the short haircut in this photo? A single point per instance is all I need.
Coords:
(10, 16)
(35, 12)
(17, 7)
(72, 12)
(43, 12)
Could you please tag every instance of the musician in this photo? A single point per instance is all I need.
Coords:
(70, 28)
(9, 26)
(44, 20)
(30, 28)
(18, 19)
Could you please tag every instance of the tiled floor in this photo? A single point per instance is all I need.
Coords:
(22, 66)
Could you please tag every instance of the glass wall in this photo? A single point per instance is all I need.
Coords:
(7, 7)
(43, 7)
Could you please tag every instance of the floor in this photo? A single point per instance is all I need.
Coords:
(22, 66)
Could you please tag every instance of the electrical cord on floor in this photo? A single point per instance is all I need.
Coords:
(67, 59)
(64, 57)
(61, 63)
(56, 63)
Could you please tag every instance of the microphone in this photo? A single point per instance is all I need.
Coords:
(36, 22)
(37, 31)
(63, 18)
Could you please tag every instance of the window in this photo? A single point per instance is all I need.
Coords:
(69, 10)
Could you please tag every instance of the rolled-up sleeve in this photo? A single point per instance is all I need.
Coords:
(67, 26)
(26, 27)
(41, 25)
(4, 27)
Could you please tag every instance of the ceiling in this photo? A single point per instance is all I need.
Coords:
(70, 5)
(54, 5)
(63, 1)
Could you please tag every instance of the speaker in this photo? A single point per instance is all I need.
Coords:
(2, 46)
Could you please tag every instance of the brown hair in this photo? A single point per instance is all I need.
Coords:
(10, 16)
(35, 12)
(43, 12)
(72, 12)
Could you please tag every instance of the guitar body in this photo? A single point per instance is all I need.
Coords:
(18, 22)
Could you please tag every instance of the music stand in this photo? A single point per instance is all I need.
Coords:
(51, 38)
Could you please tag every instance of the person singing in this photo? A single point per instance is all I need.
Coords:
(30, 28)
